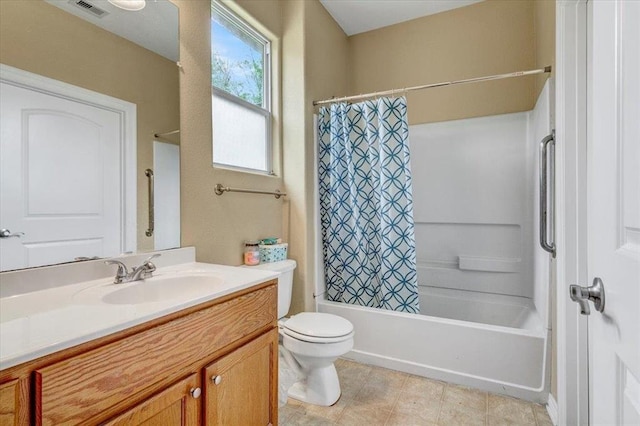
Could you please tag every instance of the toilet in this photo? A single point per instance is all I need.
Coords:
(312, 341)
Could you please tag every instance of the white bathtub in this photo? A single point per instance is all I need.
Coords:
(492, 342)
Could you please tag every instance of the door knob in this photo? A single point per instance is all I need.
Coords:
(6, 233)
(216, 380)
(582, 295)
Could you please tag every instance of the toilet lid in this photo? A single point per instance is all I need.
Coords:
(317, 324)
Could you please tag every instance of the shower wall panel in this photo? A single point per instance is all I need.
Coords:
(473, 204)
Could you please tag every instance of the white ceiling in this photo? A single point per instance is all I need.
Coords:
(358, 16)
(155, 27)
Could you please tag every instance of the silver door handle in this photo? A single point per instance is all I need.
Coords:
(582, 295)
(5, 233)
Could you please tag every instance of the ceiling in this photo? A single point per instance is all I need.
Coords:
(155, 27)
(358, 16)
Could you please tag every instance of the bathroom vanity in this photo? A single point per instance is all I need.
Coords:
(211, 359)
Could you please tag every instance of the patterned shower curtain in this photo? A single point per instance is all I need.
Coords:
(366, 207)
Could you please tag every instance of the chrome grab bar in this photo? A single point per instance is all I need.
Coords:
(149, 232)
(544, 195)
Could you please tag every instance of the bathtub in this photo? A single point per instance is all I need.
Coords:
(492, 342)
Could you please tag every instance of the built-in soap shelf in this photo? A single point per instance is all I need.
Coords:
(479, 264)
(488, 264)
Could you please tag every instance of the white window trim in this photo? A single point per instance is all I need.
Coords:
(266, 111)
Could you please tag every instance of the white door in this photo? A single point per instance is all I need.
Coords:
(613, 183)
(60, 179)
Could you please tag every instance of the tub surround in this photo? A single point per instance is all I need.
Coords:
(483, 279)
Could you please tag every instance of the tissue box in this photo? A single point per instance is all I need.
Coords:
(273, 252)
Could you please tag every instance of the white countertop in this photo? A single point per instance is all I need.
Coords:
(42, 322)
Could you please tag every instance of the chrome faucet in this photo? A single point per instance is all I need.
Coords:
(144, 271)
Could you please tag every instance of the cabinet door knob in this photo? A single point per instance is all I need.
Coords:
(195, 392)
(216, 379)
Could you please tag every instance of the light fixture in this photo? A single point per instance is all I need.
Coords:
(131, 5)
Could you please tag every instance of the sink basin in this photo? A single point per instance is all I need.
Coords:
(162, 288)
(177, 287)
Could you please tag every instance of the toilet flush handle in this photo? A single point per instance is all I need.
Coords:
(216, 380)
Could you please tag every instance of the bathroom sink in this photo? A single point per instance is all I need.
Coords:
(179, 287)
(162, 288)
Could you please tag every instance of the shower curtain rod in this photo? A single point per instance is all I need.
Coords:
(546, 69)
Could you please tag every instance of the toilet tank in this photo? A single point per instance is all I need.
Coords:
(285, 282)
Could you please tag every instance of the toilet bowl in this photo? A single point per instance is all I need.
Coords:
(316, 340)
(312, 341)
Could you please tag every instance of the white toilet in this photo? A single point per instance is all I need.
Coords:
(312, 342)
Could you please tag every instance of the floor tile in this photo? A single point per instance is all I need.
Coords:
(518, 411)
(403, 419)
(352, 377)
(387, 378)
(379, 396)
(358, 415)
(499, 421)
(542, 416)
(417, 407)
(300, 419)
(381, 390)
(428, 388)
(462, 396)
(331, 413)
(286, 412)
(460, 415)
(376, 397)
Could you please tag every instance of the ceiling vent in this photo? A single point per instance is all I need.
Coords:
(89, 8)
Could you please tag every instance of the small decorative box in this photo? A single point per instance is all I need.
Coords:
(273, 253)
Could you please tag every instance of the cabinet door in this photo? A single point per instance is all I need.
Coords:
(14, 403)
(241, 387)
(176, 405)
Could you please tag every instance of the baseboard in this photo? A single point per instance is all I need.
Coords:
(552, 409)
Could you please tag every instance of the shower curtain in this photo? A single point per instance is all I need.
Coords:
(366, 207)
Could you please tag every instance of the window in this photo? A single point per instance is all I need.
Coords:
(240, 80)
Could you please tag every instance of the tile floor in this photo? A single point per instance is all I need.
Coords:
(377, 396)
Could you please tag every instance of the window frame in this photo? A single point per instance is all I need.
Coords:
(267, 109)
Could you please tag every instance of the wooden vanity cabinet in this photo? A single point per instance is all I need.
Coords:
(14, 403)
(159, 373)
(175, 405)
(236, 384)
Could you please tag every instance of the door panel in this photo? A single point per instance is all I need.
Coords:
(241, 387)
(61, 179)
(174, 406)
(614, 209)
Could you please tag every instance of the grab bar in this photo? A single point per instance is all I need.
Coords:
(544, 196)
(221, 189)
(149, 232)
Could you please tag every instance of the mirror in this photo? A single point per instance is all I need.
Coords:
(124, 56)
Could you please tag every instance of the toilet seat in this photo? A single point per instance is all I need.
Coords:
(317, 327)
(314, 339)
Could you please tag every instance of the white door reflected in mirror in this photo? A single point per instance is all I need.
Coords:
(64, 173)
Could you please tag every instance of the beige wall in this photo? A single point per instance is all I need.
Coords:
(313, 56)
(544, 26)
(294, 146)
(40, 38)
(316, 59)
(490, 37)
(217, 225)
